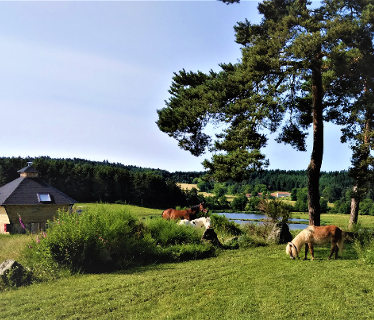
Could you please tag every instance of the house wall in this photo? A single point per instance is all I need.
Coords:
(34, 217)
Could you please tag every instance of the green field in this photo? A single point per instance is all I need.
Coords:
(252, 283)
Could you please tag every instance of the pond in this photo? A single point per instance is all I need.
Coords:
(242, 218)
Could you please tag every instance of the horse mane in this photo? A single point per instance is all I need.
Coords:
(301, 238)
(195, 208)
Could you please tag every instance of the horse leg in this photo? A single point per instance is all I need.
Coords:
(334, 248)
(311, 250)
(306, 251)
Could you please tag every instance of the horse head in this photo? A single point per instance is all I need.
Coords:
(202, 209)
(292, 251)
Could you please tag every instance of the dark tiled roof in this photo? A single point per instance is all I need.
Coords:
(27, 169)
(24, 191)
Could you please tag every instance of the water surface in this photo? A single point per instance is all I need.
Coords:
(242, 218)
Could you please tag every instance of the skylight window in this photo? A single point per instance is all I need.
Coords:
(44, 197)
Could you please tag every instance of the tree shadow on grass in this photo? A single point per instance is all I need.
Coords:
(322, 253)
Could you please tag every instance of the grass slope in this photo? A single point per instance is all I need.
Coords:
(260, 283)
(253, 283)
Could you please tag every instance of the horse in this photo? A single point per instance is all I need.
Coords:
(203, 222)
(188, 214)
(316, 235)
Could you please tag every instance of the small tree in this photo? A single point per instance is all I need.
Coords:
(275, 209)
(239, 202)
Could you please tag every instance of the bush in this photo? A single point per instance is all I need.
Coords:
(102, 239)
(274, 209)
(239, 202)
(222, 224)
(367, 207)
(167, 232)
(255, 235)
(364, 245)
(95, 240)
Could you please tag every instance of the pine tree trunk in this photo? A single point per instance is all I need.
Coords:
(356, 192)
(314, 167)
(355, 204)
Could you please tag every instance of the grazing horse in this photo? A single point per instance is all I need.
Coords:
(316, 235)
(188, 214)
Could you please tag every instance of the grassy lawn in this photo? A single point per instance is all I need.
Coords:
(140, 212)
(253, 283)
(260, 283)
(340, 220)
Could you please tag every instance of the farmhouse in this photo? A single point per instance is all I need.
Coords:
(28, 202)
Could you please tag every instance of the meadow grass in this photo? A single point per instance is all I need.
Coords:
(340, 220)
(255, 283)
(252, 283)
(140, 212)
(12, 246)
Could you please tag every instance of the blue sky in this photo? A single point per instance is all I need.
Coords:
(84, 79)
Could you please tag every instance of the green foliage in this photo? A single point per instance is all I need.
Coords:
(222, 224)
(167, 232)
(301, 200)
(252, 204)
(239, 202)
(275, 209)
(364, 245)
(103, 239)
(367, 207)
(219, 190)
(220, 203)
(254, 235)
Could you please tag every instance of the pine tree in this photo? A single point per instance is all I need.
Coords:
(283, 84)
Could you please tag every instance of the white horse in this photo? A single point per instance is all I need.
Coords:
(199, 223)
(316, 235)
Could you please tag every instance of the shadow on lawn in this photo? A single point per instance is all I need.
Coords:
(322, 253)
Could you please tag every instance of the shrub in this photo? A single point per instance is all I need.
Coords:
(255, 235)
(167, 232)
(222, 224)
(274, 209)
(364, 244)
(239, 202)
(102, 238)
(95, 240)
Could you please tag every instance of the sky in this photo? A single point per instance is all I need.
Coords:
(85, 79)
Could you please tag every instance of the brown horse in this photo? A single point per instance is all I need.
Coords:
(188, 214)
(316, 235)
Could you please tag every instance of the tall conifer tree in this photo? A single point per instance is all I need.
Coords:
(282, 84)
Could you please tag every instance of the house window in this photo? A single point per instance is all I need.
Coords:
(44, 197)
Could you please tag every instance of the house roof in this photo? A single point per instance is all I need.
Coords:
(29, 168)
(25, 190)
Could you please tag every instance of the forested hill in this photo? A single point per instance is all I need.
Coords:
(87, 180)
(91, 181)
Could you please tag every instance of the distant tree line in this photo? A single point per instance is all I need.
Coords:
(91, 181)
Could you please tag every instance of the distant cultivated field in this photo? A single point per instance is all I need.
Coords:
(187, 186)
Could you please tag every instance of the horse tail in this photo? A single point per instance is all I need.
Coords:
(340, 242)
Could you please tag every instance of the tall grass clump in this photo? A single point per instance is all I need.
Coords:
(167, 232)
(223, 225)
(177, 242)
(364, 245)
(97, 239)
(275, 209)
(255, 235)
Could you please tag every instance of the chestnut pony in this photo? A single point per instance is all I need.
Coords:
(316, 235)
(188, 214)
